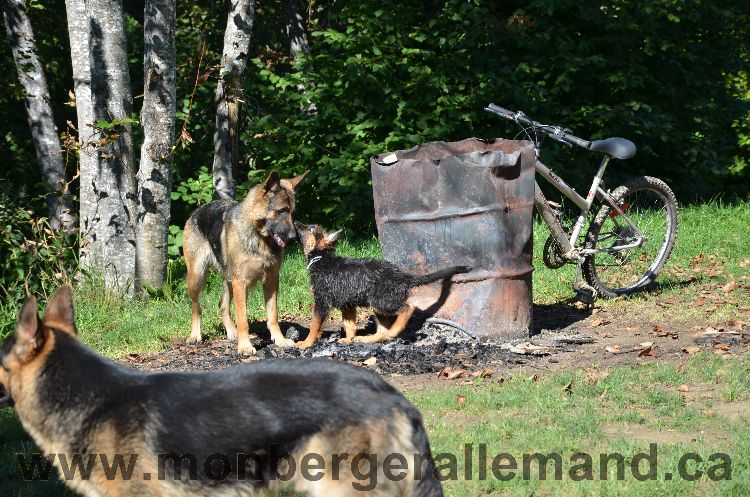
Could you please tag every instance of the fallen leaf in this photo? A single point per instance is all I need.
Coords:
(721, 346)
(529, 349)
(598, 322)
(691, 350)
(568, 388)
(133, 357)
(626, 329)
(460, 400)
(593, 375)
(484, 373)
(647, 351)
(534, 378)
(456, 374)
(444, 372)
(729, 287)
(371, 361)
(735, 325)
(500, 380)
(613, 349)
(683, 388)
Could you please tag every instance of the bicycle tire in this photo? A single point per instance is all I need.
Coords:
(627, 197)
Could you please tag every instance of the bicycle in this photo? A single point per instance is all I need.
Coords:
(616, 254)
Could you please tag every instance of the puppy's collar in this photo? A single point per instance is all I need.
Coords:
(314, 260)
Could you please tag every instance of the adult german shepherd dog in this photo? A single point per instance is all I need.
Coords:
(235, 432)
(245, 241)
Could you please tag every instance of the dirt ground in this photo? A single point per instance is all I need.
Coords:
(566, 337)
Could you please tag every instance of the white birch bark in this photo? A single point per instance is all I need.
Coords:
(158, 122)
(108, 194)
(228, 91)
(39, 112)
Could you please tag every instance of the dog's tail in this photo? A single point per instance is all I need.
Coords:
(438, 275)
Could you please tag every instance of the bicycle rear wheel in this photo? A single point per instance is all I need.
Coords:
(652, 207)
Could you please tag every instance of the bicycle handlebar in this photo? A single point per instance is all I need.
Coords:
(555, 132)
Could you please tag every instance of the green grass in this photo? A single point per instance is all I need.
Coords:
(623, 412)
(116, 327)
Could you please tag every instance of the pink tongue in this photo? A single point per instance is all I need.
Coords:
(279, 241)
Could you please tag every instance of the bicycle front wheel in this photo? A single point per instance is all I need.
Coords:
(652, 207)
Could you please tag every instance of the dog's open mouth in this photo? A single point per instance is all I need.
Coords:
(278, 240)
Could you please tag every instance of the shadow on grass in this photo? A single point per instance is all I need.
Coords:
(556, 316)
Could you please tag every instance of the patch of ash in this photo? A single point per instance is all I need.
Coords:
(427, 350)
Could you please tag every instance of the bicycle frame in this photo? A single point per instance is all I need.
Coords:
(569, 247)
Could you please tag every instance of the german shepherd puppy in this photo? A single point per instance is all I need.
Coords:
(245, 241)
(345, 284)
(241, 430)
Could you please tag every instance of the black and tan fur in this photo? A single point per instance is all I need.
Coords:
(245, 241)
(345, 284)
(73, 401)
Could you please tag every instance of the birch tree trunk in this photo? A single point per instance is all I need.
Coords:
(228, 92)
(78, 32)
(39, 113)
(111, 185)
(296, 30)
(299, 44)
(158, 121)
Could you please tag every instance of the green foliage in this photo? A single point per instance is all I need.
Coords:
(195, 191)
(392, 75)
(35, 260)
(672, 75)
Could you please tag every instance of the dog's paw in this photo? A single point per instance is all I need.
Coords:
(376, 338)
(231, 335)
(303, 345)
(194, 339)
(346, 340)
(245, 348)
(283, 342)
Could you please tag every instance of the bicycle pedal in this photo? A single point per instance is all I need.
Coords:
(585, 294)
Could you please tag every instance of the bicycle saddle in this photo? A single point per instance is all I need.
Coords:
(619, 148)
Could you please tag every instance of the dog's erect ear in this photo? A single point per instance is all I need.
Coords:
(332, 238)
(272, 181)
(30, 333)
(59, 313)
(298, 179)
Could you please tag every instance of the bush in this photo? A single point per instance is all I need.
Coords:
(35, 261)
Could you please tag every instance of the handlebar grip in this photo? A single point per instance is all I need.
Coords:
(577, 141)
(496, 109)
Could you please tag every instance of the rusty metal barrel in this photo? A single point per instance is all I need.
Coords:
(462, 203)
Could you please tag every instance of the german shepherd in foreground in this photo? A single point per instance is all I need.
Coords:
(242, 430)
(245, 241)
(345, 284)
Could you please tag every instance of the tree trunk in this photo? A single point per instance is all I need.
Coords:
(296, 29)
(158, 121)
(39, 113)
(78, 33)
(112, 183)
(228, 92)
(299, 44)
